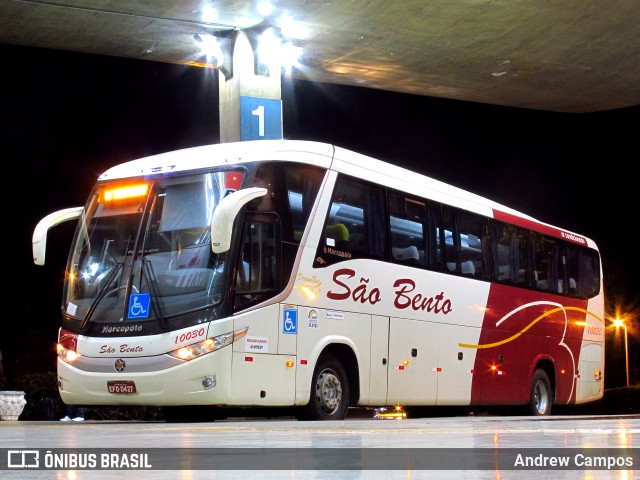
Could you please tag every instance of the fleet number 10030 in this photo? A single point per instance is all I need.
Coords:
(190, 335)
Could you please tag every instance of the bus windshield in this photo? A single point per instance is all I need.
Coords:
(142, 251)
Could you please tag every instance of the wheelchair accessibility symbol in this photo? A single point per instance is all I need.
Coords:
(290, 321)
(139, 305)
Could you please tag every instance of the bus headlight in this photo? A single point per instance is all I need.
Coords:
(67, 346)
(66, 355)
(209, 345)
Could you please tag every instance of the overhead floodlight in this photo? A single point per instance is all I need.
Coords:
(291, 28)
(209, 13)
(261, 55)
(269, 47)
(290, 56)
(218, 46)
(208, 45)
(265, 8)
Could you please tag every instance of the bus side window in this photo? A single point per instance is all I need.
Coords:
(475, 246)
(502, 256)
(467, 249)
(521, 270)
(546, 266)
(572, 265)
(355, 226)
(510, 254)
(415, 226)
(406, 218)
(588, 284)
(302, 186)
(451, 241)
(258, 268)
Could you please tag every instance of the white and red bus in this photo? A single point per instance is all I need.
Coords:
(292, 273)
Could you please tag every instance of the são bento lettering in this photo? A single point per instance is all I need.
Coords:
(405, 294)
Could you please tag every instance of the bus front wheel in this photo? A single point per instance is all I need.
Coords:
(329, 397)
(541, 396)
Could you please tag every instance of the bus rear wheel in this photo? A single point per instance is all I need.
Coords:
(329, 397)
(541, 396)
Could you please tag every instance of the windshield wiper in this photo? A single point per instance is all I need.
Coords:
(147, 268)
(101, 294)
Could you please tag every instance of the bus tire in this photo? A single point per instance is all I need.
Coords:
(329, 398)
(541, 395)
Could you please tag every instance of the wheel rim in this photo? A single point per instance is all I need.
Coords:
(328, 392)
(540, 397)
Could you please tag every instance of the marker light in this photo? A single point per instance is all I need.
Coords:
(397, 413)
(308, 292)
(122, 193)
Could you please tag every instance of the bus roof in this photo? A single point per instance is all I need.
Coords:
(221, 154)
(323, 155)
(386, 173)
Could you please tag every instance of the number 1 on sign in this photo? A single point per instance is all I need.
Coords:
(259, 112)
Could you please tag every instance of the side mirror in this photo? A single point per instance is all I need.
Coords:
(39, 239)
(225, 214)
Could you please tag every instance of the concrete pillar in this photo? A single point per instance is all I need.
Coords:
(245, 83)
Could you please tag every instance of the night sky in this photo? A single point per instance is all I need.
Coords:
(67, 117)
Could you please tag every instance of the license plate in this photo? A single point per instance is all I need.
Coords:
(125, 387)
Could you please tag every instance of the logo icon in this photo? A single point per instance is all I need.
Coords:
(119, 365)
(312, 320)
(23, 458)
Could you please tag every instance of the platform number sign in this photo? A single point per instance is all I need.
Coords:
(260, 119)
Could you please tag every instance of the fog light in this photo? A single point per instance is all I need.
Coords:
(209, 382)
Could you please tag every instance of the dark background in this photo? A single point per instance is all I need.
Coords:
(67, 117)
